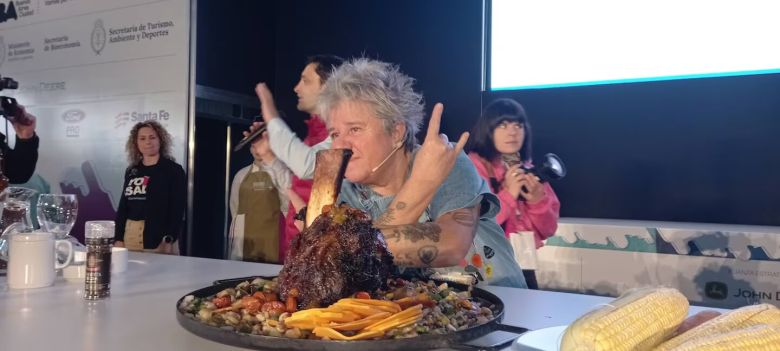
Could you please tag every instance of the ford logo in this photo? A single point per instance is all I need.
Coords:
(73, 116)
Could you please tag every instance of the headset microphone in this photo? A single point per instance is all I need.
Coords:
(388, 157)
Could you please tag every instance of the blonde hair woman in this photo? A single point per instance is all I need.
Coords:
(151, 209)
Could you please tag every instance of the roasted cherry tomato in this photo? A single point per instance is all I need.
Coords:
(221, 302)
(259, 295)
(251, 304)
(363, 295)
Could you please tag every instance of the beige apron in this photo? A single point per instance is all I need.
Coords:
(259, 205)
(134, 235)
(134, 238)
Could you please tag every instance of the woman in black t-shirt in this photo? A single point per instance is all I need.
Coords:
(151, 209)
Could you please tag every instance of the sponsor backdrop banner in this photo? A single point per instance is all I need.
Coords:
(720, 266)
(89, 70)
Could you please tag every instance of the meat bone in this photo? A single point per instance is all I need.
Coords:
(328, 175)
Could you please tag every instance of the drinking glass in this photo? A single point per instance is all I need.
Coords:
(57, 213)
(14, 213)
(15, 206)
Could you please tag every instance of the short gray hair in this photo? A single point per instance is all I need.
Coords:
(381, 85)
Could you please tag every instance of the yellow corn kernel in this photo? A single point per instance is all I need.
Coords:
(737, 319)
(638, 320)
(761, 337)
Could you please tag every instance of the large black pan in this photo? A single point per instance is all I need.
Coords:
(462, 339)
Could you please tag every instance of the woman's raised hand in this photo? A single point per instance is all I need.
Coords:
(436, 157)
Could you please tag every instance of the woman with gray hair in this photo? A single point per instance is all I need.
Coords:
(433, 208)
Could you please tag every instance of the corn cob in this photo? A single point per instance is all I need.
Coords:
(737, 319)
(638, 320)
(761, 337)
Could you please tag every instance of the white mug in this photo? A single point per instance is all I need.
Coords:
(31, 259)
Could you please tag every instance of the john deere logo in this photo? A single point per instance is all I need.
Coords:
(716, 290)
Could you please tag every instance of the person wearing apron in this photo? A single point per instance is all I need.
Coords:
(257, 198)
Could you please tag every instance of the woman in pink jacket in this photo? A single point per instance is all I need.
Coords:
(500, 147)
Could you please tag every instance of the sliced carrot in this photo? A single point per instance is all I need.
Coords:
(335, 335)
(362, 310)
(409, 312)
(361, 323)
(372, 302)
(395, 324)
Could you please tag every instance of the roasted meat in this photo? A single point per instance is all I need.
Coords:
(340, 254)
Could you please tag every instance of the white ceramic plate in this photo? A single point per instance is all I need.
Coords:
(547, 339)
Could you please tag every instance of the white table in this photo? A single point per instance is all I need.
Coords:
(141, 315)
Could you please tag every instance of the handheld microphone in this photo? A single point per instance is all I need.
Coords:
(250, 138)
(388, 157)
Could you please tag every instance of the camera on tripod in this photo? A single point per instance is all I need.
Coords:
(8, 83)
(9, 108)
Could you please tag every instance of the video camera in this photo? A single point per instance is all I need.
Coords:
(551, 168)
(9, 108)
(8, 83)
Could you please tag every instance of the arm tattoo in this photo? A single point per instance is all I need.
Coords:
(395, 234)
(428, 254)
(385, 218)
(389, 215)
(405, 261)
(464, 217)
(416, 232)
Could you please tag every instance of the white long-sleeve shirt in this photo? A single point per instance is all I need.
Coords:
(299, 157)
